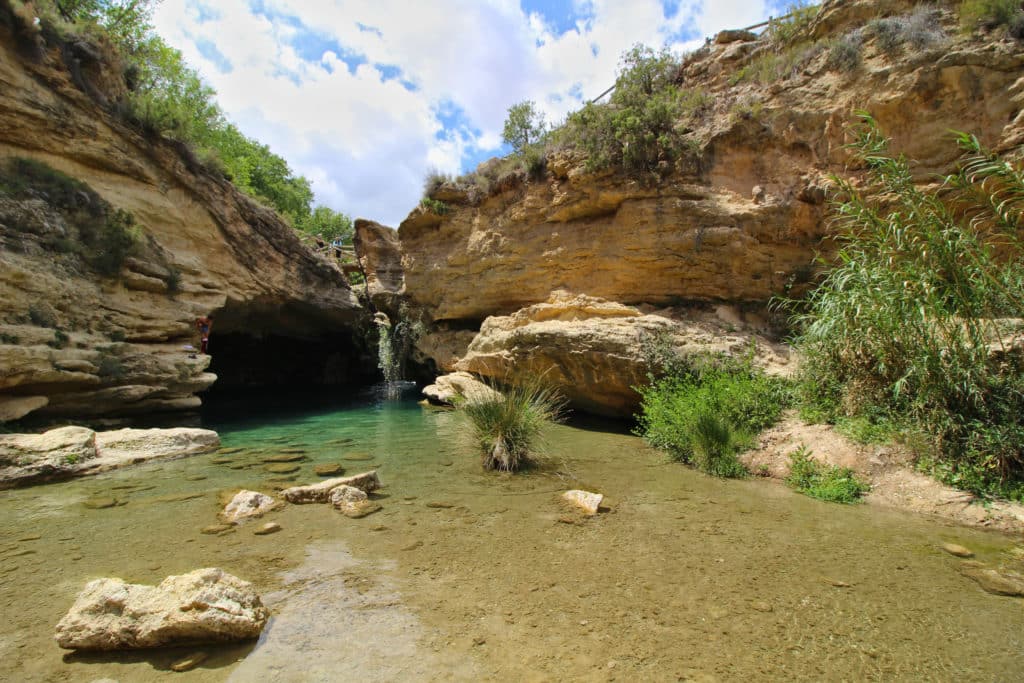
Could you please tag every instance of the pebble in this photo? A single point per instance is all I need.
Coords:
(190, 662)
(761, 606)
(216, 529)
(268, 528)
(958, 550)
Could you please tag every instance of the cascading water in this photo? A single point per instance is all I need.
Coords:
(391, 351)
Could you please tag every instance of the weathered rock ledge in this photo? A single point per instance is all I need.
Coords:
(77, 451)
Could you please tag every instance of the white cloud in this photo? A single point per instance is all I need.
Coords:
(364, 142)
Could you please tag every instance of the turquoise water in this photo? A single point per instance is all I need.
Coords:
(467, 575)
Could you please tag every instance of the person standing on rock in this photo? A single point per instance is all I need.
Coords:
(203, 324)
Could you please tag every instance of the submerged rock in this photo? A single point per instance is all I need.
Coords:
(190, 662)
(958, 550)
(585, 500)
(328, 470)
(352, 502)
(282, 468)
(247, 504)
(78, 451)
(284, 457)
(997, 582)
(204, 606)
(321, 492)
(268, 528)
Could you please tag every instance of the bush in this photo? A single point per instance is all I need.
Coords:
(988, 14)
(919, 29)
(710, 411)
(778, 66)
(433, 182)
(115, 239)
(913, 320)
(828, 483)
(844, 53)
(640, 130)
(435, 206)
(506, 426)
(60, 339)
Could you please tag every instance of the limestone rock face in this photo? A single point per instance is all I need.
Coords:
(248, 504)
(75, 343)
(380, 253)
(741, 216)
(204, 606)
(592, 350)
(78, 451)
(321, 491)
(448, 389)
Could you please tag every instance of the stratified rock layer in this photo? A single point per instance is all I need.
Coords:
(204, 606)
(78, 451)
(208, 249)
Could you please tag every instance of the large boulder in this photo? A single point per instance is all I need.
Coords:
(77, 451)
(204, 606)
(593, 350)
(321, 492)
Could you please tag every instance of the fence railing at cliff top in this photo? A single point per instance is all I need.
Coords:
(752, 27)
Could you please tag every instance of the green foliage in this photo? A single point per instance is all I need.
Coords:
(793, 27)
(506, 426)
(434, 180)
(828, 483)
(914, 318)
(771, 67)
(41, 314)
(524, 126)
(988, 14)
(108, 247)
(435, 206)
(641, 129)
(708, 410)
(328, 225)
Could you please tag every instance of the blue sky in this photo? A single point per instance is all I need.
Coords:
(365, 97)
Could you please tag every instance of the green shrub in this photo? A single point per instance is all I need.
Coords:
(60, 339)
(506, 426)
(913, 318)
(824, 482)
(988, 14)
(710, 410)
(110, 245)
(771, 67)
(435, 206)
(42, 314)
(640, 130)
(920, 29)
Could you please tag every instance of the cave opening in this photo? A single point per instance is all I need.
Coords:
(261, 349)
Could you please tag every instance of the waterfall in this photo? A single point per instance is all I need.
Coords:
(387, 360)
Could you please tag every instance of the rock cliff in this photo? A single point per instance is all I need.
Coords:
(79, 340)
(743, 214)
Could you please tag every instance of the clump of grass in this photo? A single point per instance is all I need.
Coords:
(506, 425)
(919, 29)
(709, 410)
(910, 322)
(435, 206)
(824, 482)
(433, 182)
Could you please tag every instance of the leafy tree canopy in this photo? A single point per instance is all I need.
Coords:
(524, 125)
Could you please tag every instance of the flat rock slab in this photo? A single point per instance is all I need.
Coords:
(204, 606)
(78, 451)
(285, 457)
(321, 492)
(585, 500)
(282, 468)
(329, 470)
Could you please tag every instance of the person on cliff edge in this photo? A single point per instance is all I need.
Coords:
(203, 324)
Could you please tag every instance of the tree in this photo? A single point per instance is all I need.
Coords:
(524, 125)
(328, 225)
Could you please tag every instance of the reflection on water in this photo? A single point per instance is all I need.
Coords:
(467, 575)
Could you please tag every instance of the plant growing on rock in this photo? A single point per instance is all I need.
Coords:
(506, 425)
(917, 319)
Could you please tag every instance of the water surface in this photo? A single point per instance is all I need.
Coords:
(465, 575)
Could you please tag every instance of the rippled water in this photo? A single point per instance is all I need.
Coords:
(465, 575)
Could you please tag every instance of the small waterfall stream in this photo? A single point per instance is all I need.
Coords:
(391, 352)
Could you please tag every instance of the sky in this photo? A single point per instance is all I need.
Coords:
(366, 97)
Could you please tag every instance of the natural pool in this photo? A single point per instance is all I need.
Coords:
(465, 575)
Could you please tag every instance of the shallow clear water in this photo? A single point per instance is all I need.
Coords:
(465, 575)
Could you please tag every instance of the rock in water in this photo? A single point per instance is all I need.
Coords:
(190, 662)
(268, 528)
(958, 550)
(204, 606)
(996, 582)
(352, 502)
(246, 504)
(321, 492)
(585, 500)
(328, 470)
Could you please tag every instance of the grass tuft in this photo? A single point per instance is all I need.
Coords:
(824, 482)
